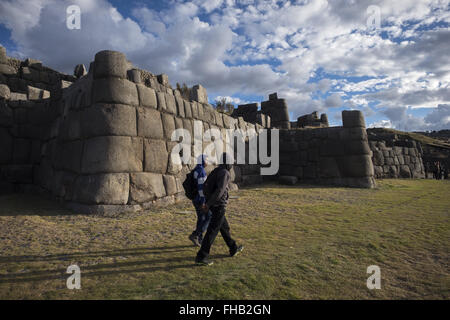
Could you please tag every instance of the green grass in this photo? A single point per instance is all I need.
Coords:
(301, 242)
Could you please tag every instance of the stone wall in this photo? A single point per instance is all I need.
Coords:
(103, 143)
(313, 120)
(29, 93)
(277, 110)
(332, 156)
(395, 156)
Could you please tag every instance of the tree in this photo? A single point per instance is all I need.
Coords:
(223, 106)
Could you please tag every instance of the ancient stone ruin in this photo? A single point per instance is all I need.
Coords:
(100, 140)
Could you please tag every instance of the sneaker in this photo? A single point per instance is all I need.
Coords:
(194, 240)
(238, 250)
(203, 262)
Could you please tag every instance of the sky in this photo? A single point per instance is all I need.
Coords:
(389, 59)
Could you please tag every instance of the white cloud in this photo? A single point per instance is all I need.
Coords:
(232, 51)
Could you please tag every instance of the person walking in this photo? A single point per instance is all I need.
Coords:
(203, 218)
(216, 191)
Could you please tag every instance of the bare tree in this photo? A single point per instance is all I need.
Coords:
(223, 106)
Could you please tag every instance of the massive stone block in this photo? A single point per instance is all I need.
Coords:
(170, 184)
(69, 154)
(115, 90)
(161, 98)
(328, 168)
(112, 154)
(146, 187)
(108, 119)
(168, 125)
(5, 93)
(171, 104)
(198, 93)
(110, 64)
(110, 188)
(187, 109)
(156, 156)
(21, 151)
(147, 96)
(149, 123)
(180, 106)
(353, 118)
(6, 146)
(356, 166)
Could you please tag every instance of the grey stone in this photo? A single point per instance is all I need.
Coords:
(356, 147)
(161, 97)
(198, 93)
(109, 188)
(194, 106)
(405, 172)
(115, 90)
(134, 75)
(163, 79)
(147, 96)
(156, 156)
(287, 180)
(7, 146)
(112, 154)
(149, 123)
(356, 166)
(5, 93)
(110, 64)
(21, 151)
(108, 119)
(180, 106)
(328, 168)
(145, 186)
(170, 184)
(37, 93)
(70, 155)
(187, 109)
(168, 125)
(353, 118)
(170, 104)
(7, 69)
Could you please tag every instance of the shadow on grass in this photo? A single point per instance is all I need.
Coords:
(105, 269)
(93, 254)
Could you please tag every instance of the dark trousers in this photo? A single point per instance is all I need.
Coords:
(218, 223)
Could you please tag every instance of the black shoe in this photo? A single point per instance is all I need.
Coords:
(194, 240)
(203, 262)
(237, 251)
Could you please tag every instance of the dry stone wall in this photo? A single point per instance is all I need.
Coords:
(395, 157)
(103, 143)
(332, 156)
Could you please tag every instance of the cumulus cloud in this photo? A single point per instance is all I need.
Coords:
(319, 54)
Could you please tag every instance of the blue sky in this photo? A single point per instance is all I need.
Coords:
(319, 55)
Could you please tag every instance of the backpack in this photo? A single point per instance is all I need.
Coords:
(190, 186)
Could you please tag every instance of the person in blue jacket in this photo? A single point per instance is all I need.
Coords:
(199, 201)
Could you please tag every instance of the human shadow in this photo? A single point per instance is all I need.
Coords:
(106, 269)
(104, 253)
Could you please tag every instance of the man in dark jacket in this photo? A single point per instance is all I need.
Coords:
(216, 188)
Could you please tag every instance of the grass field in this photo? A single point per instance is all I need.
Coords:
(300, 242)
